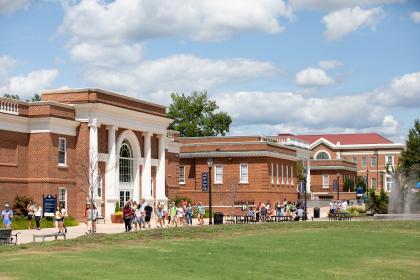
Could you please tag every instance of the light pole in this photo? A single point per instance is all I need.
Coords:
(305, 217)
(367, 182)
(210, 165)
(338, 186)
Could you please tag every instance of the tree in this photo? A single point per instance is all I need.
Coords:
(35, 98)
(348, 185)
(410, 157)
(11, 96)
(195, 115)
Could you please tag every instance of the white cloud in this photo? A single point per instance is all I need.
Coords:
(206, 20)
(333, 5)
(32, 83)
(10, 6)
(155, 79)
(330, 64)
(340, 23)
(313, 77)
(415, 16)
(403, 91)
(6, 63)
(107, 56)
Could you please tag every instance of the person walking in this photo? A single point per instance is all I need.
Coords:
(159, 214)
(38, 216)
(137, 217)
(148, 210)
(128, 215)
(92, 218)
(59, 220)
(7, 217)
(173, 215)
(31, 211)
(188, 214)
(64, 216)
(201, 213)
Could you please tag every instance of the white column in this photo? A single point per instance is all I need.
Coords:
(146, 178)
(308, 176)
(93, 158)
(161, 174)
(111, 192)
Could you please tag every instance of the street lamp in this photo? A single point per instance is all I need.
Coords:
(367, 182)
(210, 165)
(338, 186)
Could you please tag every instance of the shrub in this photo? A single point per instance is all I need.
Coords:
(348, 185)
(19, 205)
(183, 198)
(378, 203)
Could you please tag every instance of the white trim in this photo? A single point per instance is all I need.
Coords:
(237, 154)
(371, 153)
(277, 173)
(65, 196)
(354, 146)
(272, 173)
(282, 174)
(323, 182)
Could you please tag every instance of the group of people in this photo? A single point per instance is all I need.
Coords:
(181, 214)
(34, 212)
(264, 211)
(337, 206)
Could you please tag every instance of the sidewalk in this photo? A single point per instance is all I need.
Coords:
(26, 236)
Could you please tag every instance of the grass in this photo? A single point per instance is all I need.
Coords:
(312, 250)
(20, 223)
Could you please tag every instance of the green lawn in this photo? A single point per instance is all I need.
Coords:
(311, 250)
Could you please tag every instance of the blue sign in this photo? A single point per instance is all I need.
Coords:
(302, 187)
(418, 185)
(204, 181)
(359, 191)
(335, 185)
(50, 204)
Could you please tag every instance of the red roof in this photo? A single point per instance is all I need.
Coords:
(346, 139)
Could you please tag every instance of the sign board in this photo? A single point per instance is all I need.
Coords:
(50, 204)
(359, 191)
(418, 185)
(302, 187)
(335, 185)
(204, 181)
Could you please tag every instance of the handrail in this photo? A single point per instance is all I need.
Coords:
(9, 106)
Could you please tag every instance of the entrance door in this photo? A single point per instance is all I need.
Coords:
(125, 195)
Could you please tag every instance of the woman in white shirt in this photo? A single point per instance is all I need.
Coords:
(38, 216)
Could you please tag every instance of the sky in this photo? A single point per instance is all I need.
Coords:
(296, 66)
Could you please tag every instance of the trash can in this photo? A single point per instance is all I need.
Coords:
(316, 212)
(218, 218)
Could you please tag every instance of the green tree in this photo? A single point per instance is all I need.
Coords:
(348, 185)
(410, 157)
(35, 98)
(11, 96)
(196, 115)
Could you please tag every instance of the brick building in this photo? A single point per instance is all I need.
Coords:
(74, 139)
(245, 169)
(349, 155)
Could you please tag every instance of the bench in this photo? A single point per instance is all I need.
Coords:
(339, 217)
(279, 219)
(7, 238)
(43, 236)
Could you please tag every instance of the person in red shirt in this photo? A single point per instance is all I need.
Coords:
(128, 214)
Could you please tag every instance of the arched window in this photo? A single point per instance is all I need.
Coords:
(322, 155)
(126, 163)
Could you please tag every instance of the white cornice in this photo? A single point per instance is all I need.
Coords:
(356, 146)
(121, 117)
(335, 167)
(238, 154)
(38, 125)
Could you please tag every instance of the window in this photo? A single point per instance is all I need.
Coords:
(322, 155)
(325, 181)
(62, 197)
(99, 188)
(355, 159)
(218, 174)
(277, 174)
(282, 174)
(364, 159)
(272, 173)
(389, 159)
(243, 173)
(124, 197)
(373, 161)
(62, 148)
(182, 174)
(291, 174)
(373, 184)
(126, 163)
(287, 174)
